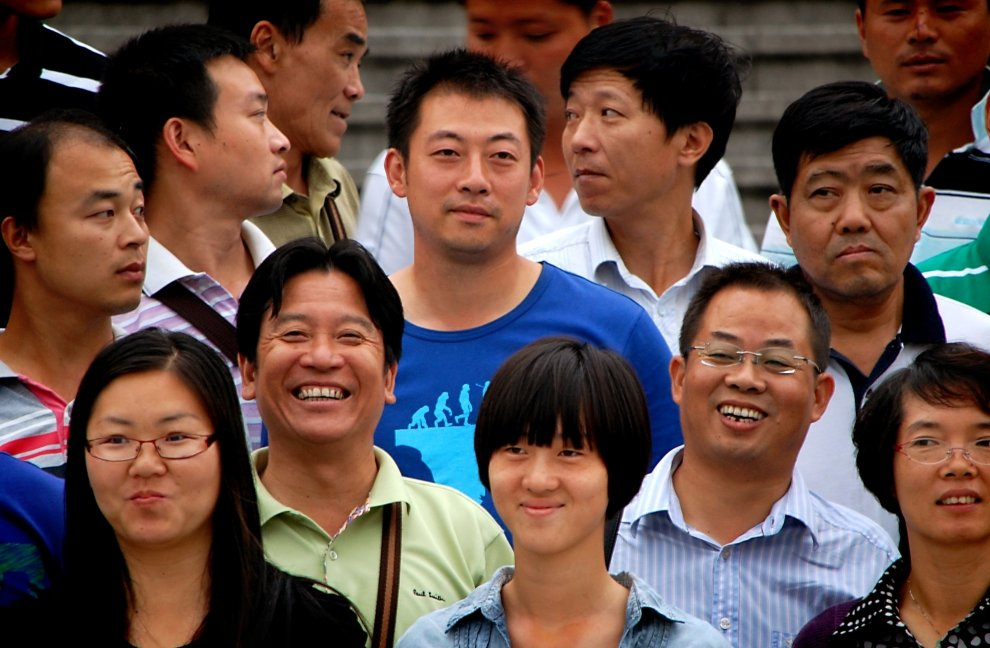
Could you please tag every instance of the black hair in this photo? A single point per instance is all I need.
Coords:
(164, 70)
(945, 375)
(459, 71)
(95, 565)
(590, 396)
(263, 295)
(685, 75)
(25, 155)
(240, 16)
(765, 277)
(835, 115)
(586, 6)
(248, 596)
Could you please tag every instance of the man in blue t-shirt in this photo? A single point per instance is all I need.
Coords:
(465, 135)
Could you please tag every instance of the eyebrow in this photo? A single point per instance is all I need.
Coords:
(169, 418)
(771, 342)
(926, 424)
(497, 137)
(289, 316)
(99, 195)
(356, 39)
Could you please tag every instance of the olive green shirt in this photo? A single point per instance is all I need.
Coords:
(301, 216)
(450, 544)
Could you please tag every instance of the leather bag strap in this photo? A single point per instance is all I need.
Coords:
(388, 577)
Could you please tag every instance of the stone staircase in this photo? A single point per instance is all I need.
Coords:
(795, 45)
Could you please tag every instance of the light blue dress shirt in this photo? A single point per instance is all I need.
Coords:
(479, 621)
(759, 590)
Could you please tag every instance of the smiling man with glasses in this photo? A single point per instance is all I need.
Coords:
(724, 527)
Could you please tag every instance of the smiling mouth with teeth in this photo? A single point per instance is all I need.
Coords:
(319, 393)
(741, 414)
(969, 499)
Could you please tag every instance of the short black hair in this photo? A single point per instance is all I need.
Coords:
(159, 75)
(263, 295)
(240, 16)
(835, 115)
(685, 75)
(945, 375)
(459, 71)
(862, 4)
(766, 277)
(25, 155)
(591, 396)
(586, 6)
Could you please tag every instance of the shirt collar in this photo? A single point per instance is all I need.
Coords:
(163, 267)
(658, 496)
(920, 322)
(603, 251)
(389, 486)
(487, 600)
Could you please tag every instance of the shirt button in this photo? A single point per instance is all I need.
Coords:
(724, 623)
(726, 553)
(333, 555)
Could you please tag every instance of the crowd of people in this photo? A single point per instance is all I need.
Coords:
(535, 386)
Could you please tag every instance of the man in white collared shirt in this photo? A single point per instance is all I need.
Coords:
(724, 527)
(210, 159)
(649, 109)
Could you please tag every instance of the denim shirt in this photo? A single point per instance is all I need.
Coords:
(479, 621)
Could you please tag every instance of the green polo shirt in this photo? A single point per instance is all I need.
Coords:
(450, 544)
(962, 272)
(301, 216)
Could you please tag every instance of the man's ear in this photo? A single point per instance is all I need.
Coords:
(390, 373)
(395, 171)
(17, 239)
(269, 46)
(178, 138)
(697, 138)
(536, 176)
(926, 198)
(778, 203)
(601, 14)
(248, 378)
(861, 31)
(677, 366)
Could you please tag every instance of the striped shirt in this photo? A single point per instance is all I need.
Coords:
(162, 269)
(53, 71)
(760, 589)
(34, 421)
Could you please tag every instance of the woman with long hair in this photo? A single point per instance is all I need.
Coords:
(163, 541)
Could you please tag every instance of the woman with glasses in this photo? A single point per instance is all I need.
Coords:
(562, 441)
(163, 543)
(923, 440)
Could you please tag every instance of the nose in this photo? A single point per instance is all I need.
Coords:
(278, 141)
(540, 476)
(147, 462)
(135, 230)
(322, 354)
(746, 376)
(958, 464)
(852, 216)
(354, 90)
(924, 30)
(505, 48)
(579, 135)
(475, 179)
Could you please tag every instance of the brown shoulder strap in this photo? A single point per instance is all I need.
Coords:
(198, 313)
(388, 577)
(333, 214)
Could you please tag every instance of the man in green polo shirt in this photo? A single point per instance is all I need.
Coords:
(319, 335)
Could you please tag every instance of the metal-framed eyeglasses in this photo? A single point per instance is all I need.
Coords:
(932, 452)
(777, 360)
(118, 447)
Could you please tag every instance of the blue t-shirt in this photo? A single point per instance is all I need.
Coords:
(32, 526)
(429, 431)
